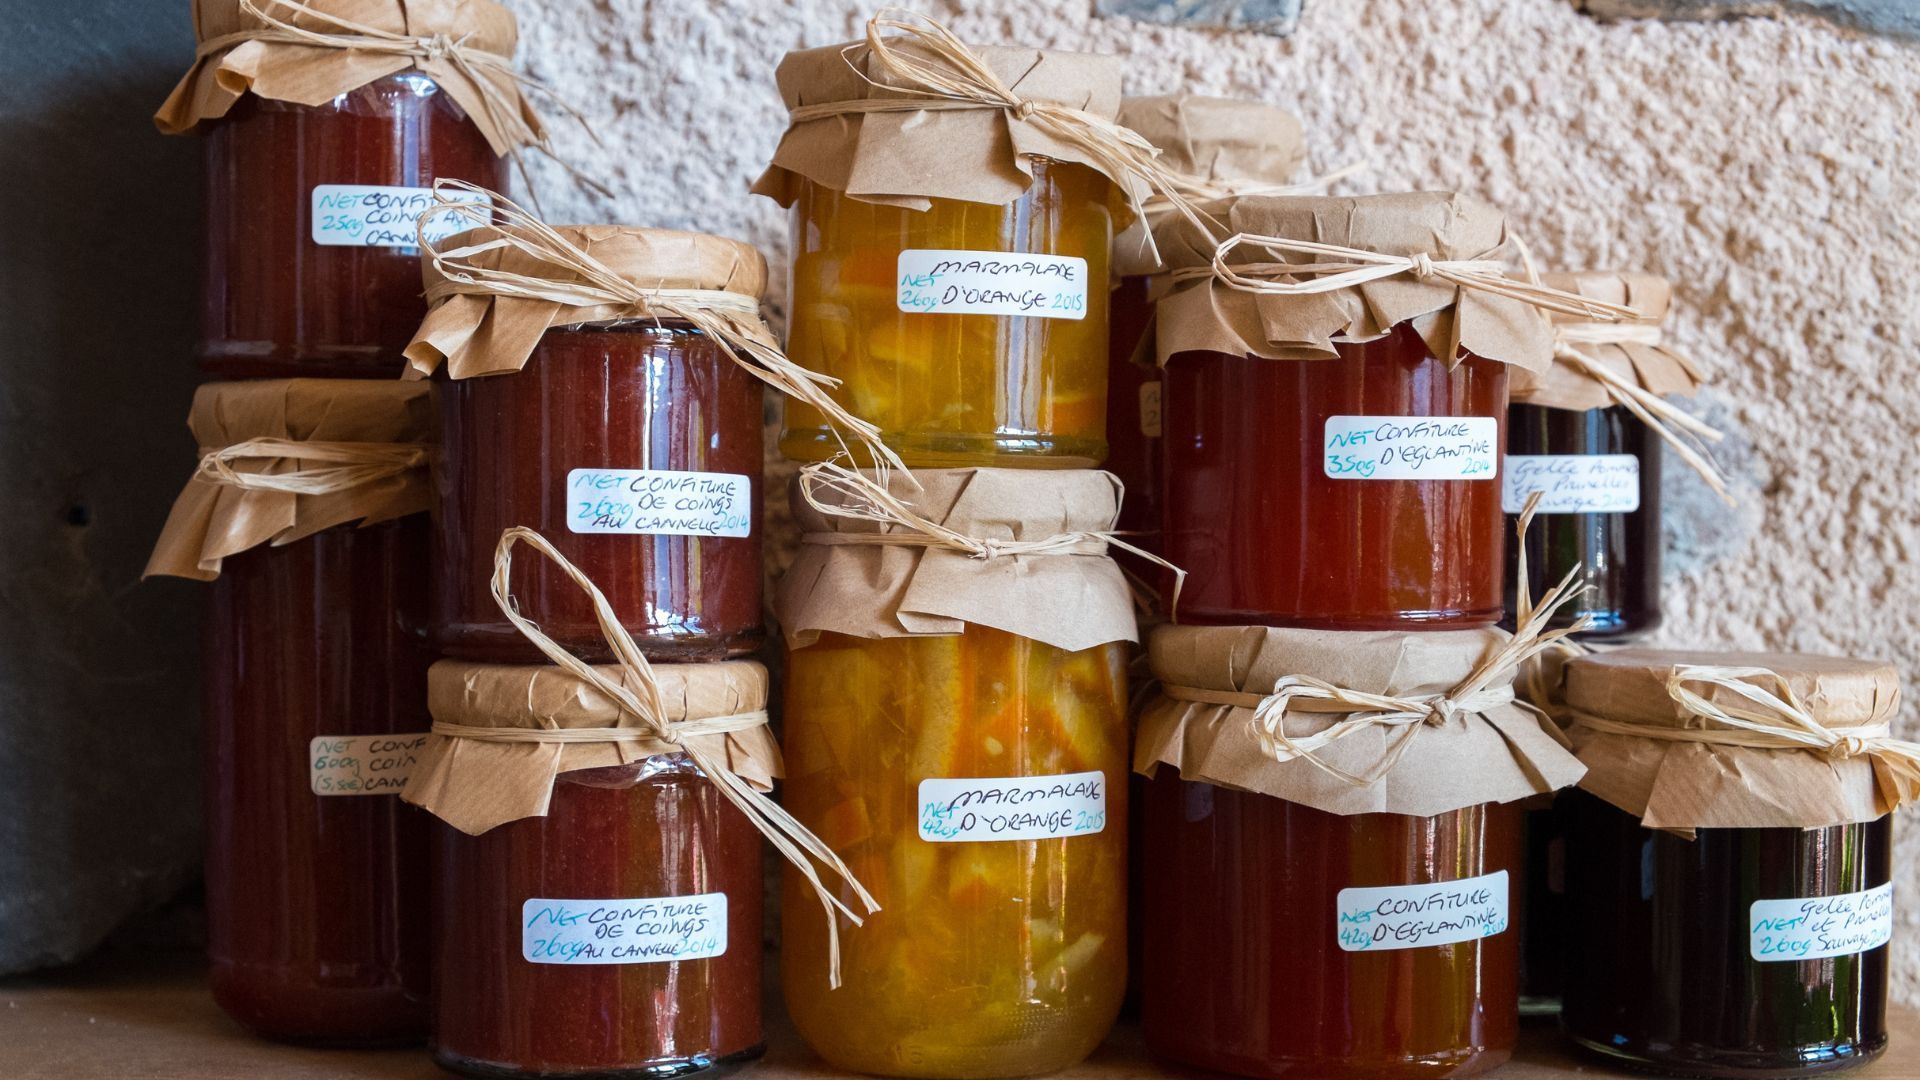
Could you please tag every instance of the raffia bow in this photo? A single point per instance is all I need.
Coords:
(943, 73)
(637, 693)
(580, 280)
(866, 500)
(1660, 415)
(1773, 719)
(355, 464)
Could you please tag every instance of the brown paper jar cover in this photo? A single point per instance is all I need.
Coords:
(1203, 314)
(1225, 141)
(906, 158)
(211, 520)
(315, 74)
(484, 334)
(1069, 601)
(475, 785)
(1655, 367)
(1498, 756)
(1681, 786)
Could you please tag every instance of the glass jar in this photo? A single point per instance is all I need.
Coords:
(1134, 423)
(555, 953)
(311, 266)
(1255, 966)
(1600, 470)
(1316, 537)
(909, 309)
(989, 957)
(1671, 931)
(315, 873)
(635, 448)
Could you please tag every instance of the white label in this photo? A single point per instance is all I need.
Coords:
(658, 502)
(993, 283)
(1017, 808)
(1412, 447)
(1573, 483)
(362, 764)
(368, 215)
(1150, 409)
(1823, 926)
(1415, 916)
(623, 931)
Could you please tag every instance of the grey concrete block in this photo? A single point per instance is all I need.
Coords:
(1267, 16)
(1900, 17)
(1699, 528)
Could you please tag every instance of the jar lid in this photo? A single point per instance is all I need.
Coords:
(1633, 350)
(475, 782)
(1454, 739)
(646, 257)
(1201, 311)
(282, 459)
(1689, 740)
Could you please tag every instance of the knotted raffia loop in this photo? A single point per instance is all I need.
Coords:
(356, 464)
(932, 70)
(865, 499)
(638, 695)
(570, 277)
(1768, 715)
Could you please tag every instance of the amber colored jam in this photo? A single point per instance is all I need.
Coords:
(1269, 538)
(611, 396)
(1134, 423)
(1618, 553)
(275, 301)
(1659, 945)
(988, 958)
(316, 904)
(947, 389)
(654, 830)
(1244, 972)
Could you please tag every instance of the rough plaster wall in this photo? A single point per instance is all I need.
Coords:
(1764, 165)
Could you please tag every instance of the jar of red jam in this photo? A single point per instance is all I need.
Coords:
(1730, 884)
(597, 917)
(1580, 439)
(631, 441)
(315, 661)
(1346, 921)
(1354, 430)
(320, 160)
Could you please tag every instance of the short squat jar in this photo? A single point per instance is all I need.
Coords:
(633, 445)
(1717, 932)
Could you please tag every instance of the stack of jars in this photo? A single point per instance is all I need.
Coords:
(956, 631)
(307, 512)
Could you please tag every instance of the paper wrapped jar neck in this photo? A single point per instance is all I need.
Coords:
(1635, 351)
(1489, 749)
(1219, 139)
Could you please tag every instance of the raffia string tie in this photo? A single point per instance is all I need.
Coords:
(355, 464)
(1768, 715)
(1666, 420)
(572, 277)
(680, 730)
(638, 694)
(863, 499)
(1200, 188)
(940, 73)
(478, 66)
(1532, 675)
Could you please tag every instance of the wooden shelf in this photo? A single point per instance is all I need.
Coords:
(150, 1017)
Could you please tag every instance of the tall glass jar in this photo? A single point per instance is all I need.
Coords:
(634, 446)
(1134, 421)
(975, 784)
(315, 701)
(311, 266)
(1263, 961)
(1725, 954)
(1363, 489)
(971, 334)
(617, 936)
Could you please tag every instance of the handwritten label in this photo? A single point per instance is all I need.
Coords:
(1573, 483)
(1150, 422)
(1415, 916)
(368, 215)
(1412, 447)
(1016, 808)
(1823, 926)
(993, 283)
(659, 502)
(362, 764)
(623, 931)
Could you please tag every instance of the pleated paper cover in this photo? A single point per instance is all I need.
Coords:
(1654, 366)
